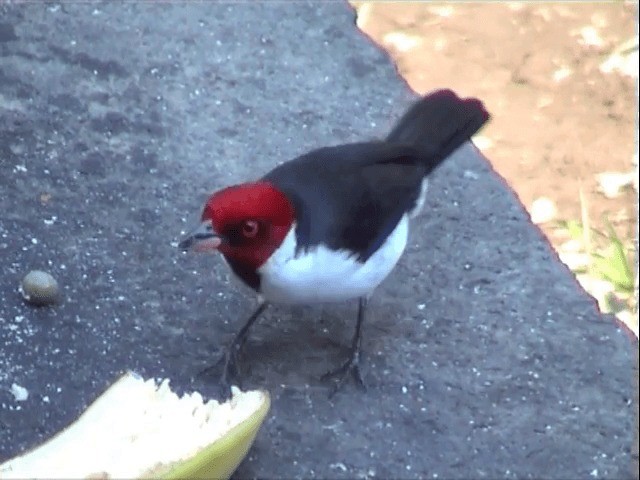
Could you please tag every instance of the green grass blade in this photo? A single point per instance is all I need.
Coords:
(613, 265)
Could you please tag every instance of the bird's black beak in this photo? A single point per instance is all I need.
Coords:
(202, 239)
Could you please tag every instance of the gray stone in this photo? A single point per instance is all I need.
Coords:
(483, 356)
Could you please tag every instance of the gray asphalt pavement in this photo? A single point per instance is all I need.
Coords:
(483, 356)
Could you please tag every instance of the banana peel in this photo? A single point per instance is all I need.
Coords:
(141, 429)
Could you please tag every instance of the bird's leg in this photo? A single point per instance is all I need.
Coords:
(230, 357)
(352, 364)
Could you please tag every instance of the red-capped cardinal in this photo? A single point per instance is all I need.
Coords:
(330, 225)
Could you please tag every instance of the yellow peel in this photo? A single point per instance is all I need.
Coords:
(221, 458)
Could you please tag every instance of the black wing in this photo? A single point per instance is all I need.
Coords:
(353, 196)
(350, 196)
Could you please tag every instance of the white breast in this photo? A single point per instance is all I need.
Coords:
(324, 275)
(421, 199)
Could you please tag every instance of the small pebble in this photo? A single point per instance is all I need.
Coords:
(612, 183)
(543, 210)
(39, 288)
(19, 392)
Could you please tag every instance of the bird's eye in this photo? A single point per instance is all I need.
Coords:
(250, 228)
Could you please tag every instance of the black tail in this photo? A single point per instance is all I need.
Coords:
(439, 123)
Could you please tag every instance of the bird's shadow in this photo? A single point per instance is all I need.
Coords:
(291, 346)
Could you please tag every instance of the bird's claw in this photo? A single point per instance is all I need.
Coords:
(229, 358)
(229, 361)
(350, 366)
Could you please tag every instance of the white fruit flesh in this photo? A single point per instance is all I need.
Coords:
(132, 428)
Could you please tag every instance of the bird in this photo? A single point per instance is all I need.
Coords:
(331, 224)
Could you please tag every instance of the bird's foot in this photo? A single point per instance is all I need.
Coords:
(350, 366)
(228, 361)
(230, 357)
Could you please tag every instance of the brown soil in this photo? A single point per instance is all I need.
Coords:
(548, 137)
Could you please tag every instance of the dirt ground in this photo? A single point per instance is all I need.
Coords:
(561, 82)
(560, 118)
